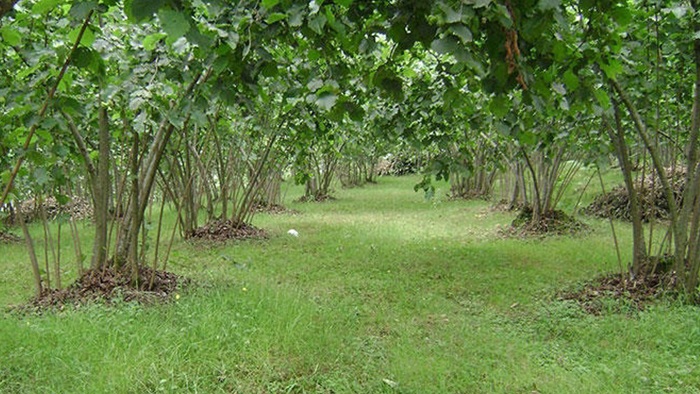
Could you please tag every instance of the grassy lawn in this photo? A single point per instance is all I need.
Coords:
(382, 292)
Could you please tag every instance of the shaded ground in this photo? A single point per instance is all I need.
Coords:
(616, 203)
(455, 195)
(224, 230)
(109, 285)
(618, 292)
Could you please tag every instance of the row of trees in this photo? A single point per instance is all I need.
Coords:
(210, 104)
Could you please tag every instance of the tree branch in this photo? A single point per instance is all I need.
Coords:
(45, 106)
(80, 141)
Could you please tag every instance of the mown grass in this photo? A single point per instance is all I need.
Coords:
(382, 292)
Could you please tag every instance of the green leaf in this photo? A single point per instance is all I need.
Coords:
(546, 5)
(296, 16)
(326, 100)
(462, 32)
(527, 138)
(269, 3)
(602, 98)
(62, 199)
(140, 10)
(571, 80)
(314, 55)
(233, 39)
(10, 36)
(315, 84)
(317, 23)
(86, 40)
(474, 64)
(612, 69)
(275, 17)
(499, 106)
(393, 87)
(151, 40)
(560, 51)
(80, 10)
(86, 58)
(41, 177)
(481, 3)
(451, 16)
(444, 45)
(174, 24)
(559, 88)
(679, 11)
(344, 3)
(333, 23)
(622, 16)
(355, 111)
(45, 6)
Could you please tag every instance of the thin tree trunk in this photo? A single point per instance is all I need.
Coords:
(101, 192)
(618, 138)
(32, 253)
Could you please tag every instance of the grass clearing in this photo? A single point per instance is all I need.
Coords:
(382, 292)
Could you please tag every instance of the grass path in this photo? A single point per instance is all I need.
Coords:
(382, 292)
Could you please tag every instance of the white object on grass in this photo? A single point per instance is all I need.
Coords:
(293, 232)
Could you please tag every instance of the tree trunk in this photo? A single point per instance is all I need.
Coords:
(638, 242)
(101, 190)
(6, 6)
(32, 253)
(135, 210)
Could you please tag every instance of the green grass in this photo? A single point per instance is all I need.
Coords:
(382, 292)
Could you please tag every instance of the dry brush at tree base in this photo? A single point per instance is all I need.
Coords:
(616, 203)
(77, 208)
(637, 292)
(507, 206)
(554, 222)
(272, 209)
(224, 230)
(321, 198)
(108, 285)
(9, 238)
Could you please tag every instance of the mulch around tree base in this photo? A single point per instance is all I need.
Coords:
(323, 198)
(9, 238)
(553, 223)
(654, 205)
(468, 196)
(224, 230)
(506, 206)
(618, 292)
(109, 285)
(273, 209)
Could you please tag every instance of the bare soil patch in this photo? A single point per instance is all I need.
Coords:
(225, 230)
(108, 285)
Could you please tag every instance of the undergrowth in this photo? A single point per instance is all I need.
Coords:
(381, 292)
